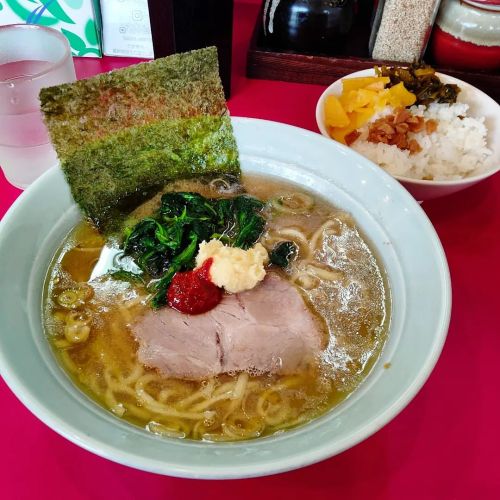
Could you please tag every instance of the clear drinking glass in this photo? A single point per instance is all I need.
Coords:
(31, 57)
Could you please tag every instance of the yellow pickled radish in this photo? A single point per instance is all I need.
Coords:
(361, 98)
(377, 86)
(362, 116)
(364, 82)
(339, 133)
(335, 116)
(382, 100)
(400, 97)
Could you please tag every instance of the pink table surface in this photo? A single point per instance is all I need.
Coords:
(444, 445)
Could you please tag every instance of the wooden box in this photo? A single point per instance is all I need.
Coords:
(268, 63)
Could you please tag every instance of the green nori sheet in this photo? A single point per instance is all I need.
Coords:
(177, 86)
(121, 136)
(110, 176)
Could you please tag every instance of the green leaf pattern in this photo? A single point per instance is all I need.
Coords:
(78, 45)
(49, 13)
(90, 32)
(74, 4)
(24, 13)
(75, 41)
(58, 12)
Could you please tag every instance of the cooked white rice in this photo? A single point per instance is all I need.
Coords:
(457, 149)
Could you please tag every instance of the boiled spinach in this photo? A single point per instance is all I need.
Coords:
(167, 242)
(283, 253)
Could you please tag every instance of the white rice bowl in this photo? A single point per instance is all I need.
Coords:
(480, 106)
(457, 149)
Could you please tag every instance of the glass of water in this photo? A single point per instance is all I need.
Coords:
(31, 57)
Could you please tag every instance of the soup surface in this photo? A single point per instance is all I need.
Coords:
(88, 316)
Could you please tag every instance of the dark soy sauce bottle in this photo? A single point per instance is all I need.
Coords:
(183, 25)
(307, 26)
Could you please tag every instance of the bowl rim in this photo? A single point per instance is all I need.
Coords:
(421, 182)
(72, 432)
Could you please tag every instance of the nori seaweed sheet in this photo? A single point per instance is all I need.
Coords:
(177, 86)
(113, 175)
(122, 136)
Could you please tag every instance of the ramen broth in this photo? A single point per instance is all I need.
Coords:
(88, 314)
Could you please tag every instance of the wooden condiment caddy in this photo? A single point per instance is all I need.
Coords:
(287, 65)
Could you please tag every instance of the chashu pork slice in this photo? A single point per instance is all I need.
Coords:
(179, 345)
(266, 329)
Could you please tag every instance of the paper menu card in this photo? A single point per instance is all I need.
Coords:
(126, 28)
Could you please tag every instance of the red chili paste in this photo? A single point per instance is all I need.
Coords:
(192, 292)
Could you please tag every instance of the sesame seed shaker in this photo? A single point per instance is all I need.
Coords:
(401, 29)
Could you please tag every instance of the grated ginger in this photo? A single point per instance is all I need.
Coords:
(233, 269)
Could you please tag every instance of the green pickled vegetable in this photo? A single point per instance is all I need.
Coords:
(422, 80)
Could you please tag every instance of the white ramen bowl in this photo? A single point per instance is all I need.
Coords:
(405, 240)
(480, 104)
